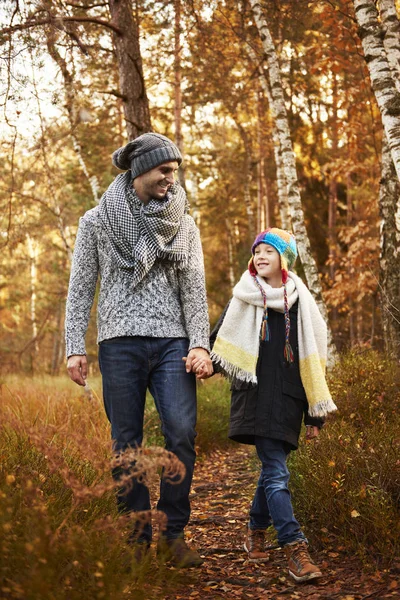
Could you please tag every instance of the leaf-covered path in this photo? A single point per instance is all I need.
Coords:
(222, 487)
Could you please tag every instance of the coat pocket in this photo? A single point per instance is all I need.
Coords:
(294, 390)
(243, 405)
(294, 404)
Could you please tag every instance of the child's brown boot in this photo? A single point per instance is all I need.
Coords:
(254, 544)
(301, 567)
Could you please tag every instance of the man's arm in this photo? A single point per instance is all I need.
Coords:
(193, 296)
(82, 287)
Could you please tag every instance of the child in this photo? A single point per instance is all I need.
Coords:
(271, 342)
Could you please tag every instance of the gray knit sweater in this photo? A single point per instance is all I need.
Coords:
(168, 302)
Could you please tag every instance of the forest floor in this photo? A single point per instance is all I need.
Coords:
(222, 487)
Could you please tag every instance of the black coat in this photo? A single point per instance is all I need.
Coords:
(276, 406)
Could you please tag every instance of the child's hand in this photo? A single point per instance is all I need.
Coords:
(203, 372)
(311, 432)
(198, 361)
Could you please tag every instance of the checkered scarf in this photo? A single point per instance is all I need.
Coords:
(139, 234)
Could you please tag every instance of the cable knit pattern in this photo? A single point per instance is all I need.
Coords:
(169, 301)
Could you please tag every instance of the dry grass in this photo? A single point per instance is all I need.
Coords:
(61, 536)
(347, 485)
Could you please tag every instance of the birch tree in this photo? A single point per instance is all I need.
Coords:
(289, 164)
(281, 183)
(389, 200)
(389, 276)
(383, 85)
(178, 86)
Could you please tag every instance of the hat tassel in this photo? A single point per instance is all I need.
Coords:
(288, 352)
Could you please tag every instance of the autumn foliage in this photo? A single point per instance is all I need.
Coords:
(60, 528)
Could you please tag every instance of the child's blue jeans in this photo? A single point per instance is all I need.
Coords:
(272, 502)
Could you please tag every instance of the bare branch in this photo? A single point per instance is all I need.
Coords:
(53, 20)
(88, 7)
(113, 93)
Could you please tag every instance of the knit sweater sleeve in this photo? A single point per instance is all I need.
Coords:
(82, 287)
(193, 295)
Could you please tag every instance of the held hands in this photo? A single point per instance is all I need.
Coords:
(312, 432)
(198, 361)
(77, 368)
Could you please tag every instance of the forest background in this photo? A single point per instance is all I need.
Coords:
(288, 114)
(200, 73)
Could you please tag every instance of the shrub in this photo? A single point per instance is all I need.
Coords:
(346, 486)
(61, 537)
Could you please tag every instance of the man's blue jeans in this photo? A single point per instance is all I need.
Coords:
(130, 365)
(272, 503)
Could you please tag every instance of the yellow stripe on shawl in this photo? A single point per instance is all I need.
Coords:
(235, 355)
(312, 372)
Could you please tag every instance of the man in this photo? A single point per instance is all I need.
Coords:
(152, 312)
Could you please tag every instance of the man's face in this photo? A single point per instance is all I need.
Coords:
(155, 183)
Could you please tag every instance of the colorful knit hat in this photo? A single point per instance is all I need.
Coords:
(285, 243)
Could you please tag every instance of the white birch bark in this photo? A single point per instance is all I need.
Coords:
(289, 163)
(389, 260)
(391, 42)
(383, 85)
(389, 200)
(281, 184)
(33, 252)
(247, 182)
(178, 86)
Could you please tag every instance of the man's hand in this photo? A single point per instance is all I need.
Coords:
(77, 368)
(311, 432)
(198, 361)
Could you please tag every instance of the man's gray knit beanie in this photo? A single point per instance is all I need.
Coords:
(146, 152)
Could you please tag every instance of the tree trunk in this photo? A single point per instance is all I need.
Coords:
(349, 223)
(389, 277)
(58, 339)
(289, 162)
(247, 182)
(231, 270)
(33, 256)
(383, 84)
(178, 87)
(332, 241)
(132, 85)
(389, 201)
(391, 25)
(281, 183)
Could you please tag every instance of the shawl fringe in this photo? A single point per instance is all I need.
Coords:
(232, 372)
(322, 408)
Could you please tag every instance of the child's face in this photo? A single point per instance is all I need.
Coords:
(267, 262)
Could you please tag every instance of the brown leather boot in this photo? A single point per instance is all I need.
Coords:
(301, 567)
(254, 544)
(178, 553)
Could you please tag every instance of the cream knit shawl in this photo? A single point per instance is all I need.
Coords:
(236, 347)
